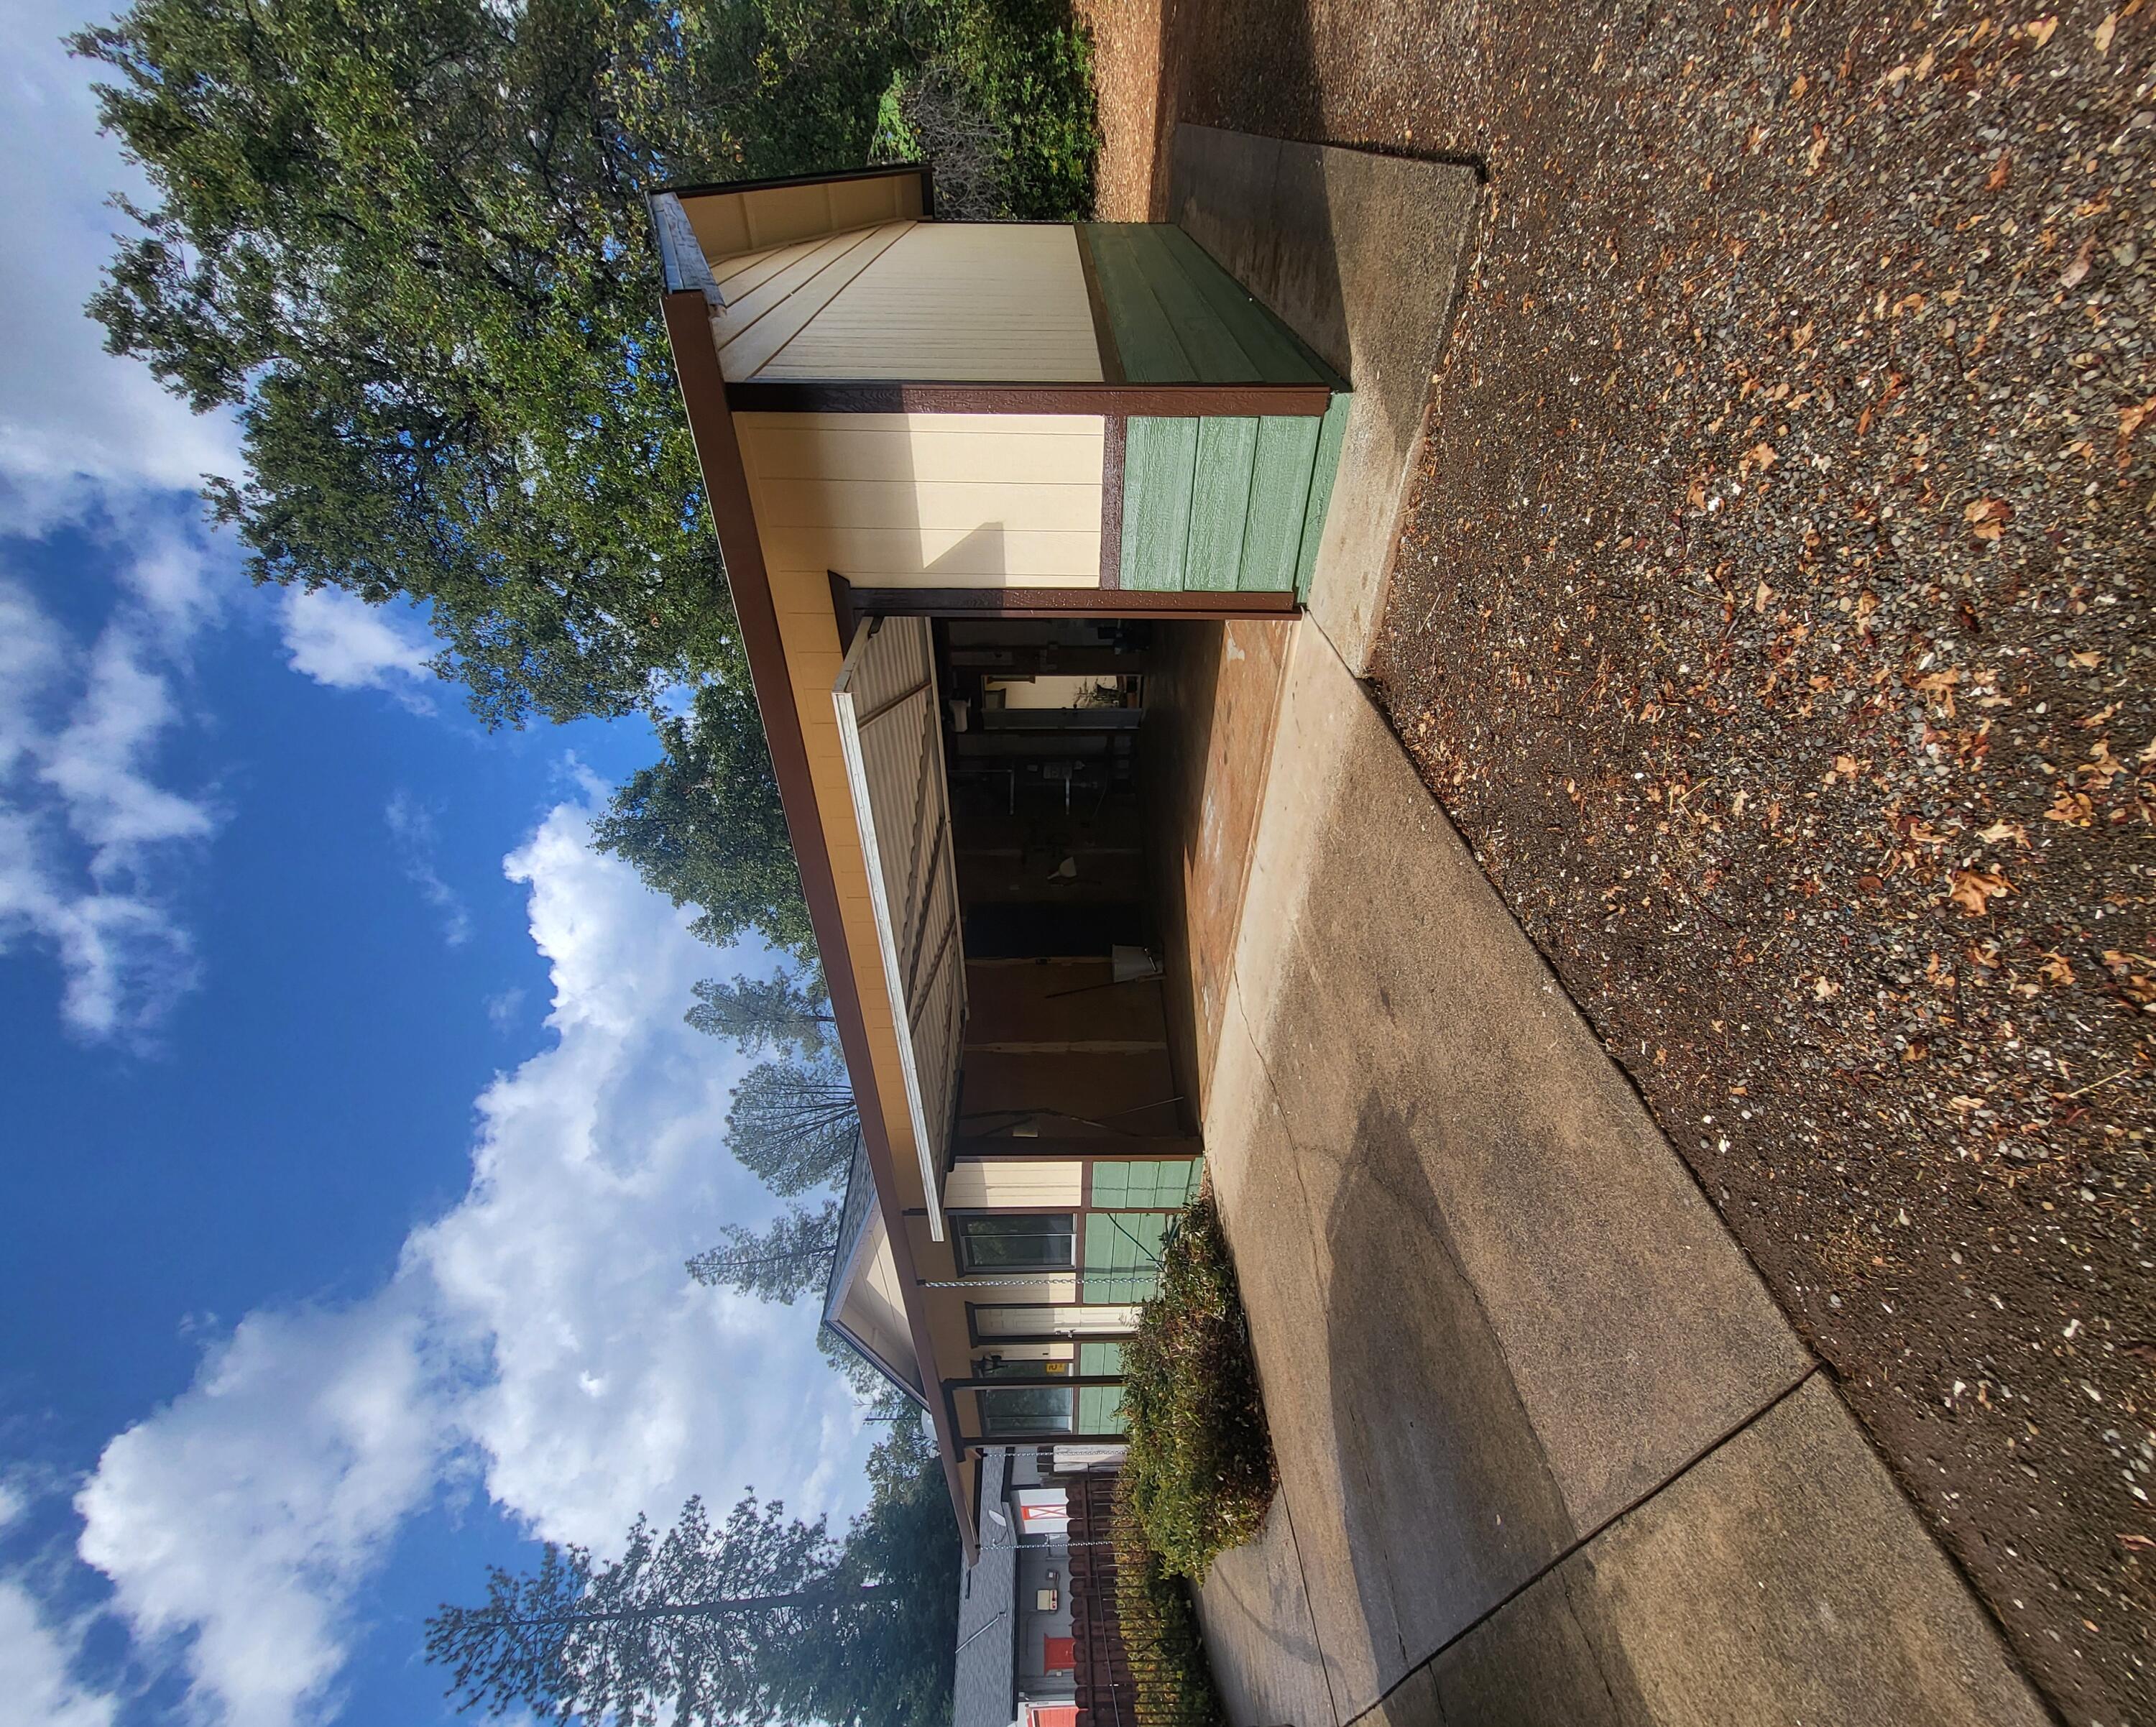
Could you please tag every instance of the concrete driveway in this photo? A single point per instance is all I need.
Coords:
(1548, 1452)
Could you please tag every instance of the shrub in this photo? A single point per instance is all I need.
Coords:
(1199, 1472)
(1004, 108)
(1171, 1679)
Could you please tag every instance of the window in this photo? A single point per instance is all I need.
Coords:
(1024, 1409)
(1016, 1242)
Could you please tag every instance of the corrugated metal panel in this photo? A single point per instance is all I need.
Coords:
(892, 739)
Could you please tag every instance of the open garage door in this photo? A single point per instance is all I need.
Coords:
(889, 730)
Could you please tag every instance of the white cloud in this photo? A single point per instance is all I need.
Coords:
(541, 1334)
(241, 1517)
(75, 422)
(337, 638)
(36, 1664)
(412, 829)
(92, 838)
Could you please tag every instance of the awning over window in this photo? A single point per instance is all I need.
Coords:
(890, 732)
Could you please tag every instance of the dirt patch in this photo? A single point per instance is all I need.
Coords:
(1774, 619)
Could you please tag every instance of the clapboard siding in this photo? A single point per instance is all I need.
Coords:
(926, 500)
(1015, 1184)
(1325, 468)
(1179, 318)
(751, 330)
(1216, 503)
(1221, 503)
(939, 504)
(957, 301)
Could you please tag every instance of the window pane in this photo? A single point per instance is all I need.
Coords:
(1025, 1409)
(1020, 1241)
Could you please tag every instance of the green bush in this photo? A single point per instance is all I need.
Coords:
(1171, 1679)
(1199, 1473)
(1002, 104)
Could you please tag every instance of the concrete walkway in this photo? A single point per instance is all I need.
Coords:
(1548, 1452)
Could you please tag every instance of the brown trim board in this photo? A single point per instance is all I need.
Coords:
(1114, 443)
(725, 490)
(1165, 401)
(1060, 603)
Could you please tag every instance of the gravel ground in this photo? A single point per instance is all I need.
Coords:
(1774, 619)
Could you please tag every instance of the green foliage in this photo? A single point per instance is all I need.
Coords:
(791, 1011)
(405, 241)
(762, 1619)
(704, 825)
(1199, 1472)
(790, 1258)
(1004, 109)
(1028, 68)
(890, 1663)
(705, 1618)
(1171, 1680)
(795, 1124)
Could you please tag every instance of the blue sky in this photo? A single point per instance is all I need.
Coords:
(353, 1137)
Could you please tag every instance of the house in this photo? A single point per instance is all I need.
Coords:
(1016, 1658)
(964, 477)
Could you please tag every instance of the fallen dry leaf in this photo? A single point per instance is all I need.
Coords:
(2073, 809)
(2076, 272)
(1987, 517)
(2056, 968)
(2044, 28)
(2103, 766)
(2000, 170)
(2105, 31)
(1999, 832)
(1973, 890)
(1939, 686)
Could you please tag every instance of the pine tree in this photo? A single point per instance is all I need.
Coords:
(790, 1258)
(789, 1011)
(694, 1618)
(795, 1123)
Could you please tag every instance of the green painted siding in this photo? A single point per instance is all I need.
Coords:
(1222, 503)
(1160, 464)
(1177, 317)
(1121, 1255)
(1324, 468)
(1154, 1185)
(1280, 483)
(1099, 1408)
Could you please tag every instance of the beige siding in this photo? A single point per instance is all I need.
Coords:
(731, 223)
(1010, 1183)
(927, 500)
(958, 300)
(874, 1309)
(766, 307)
